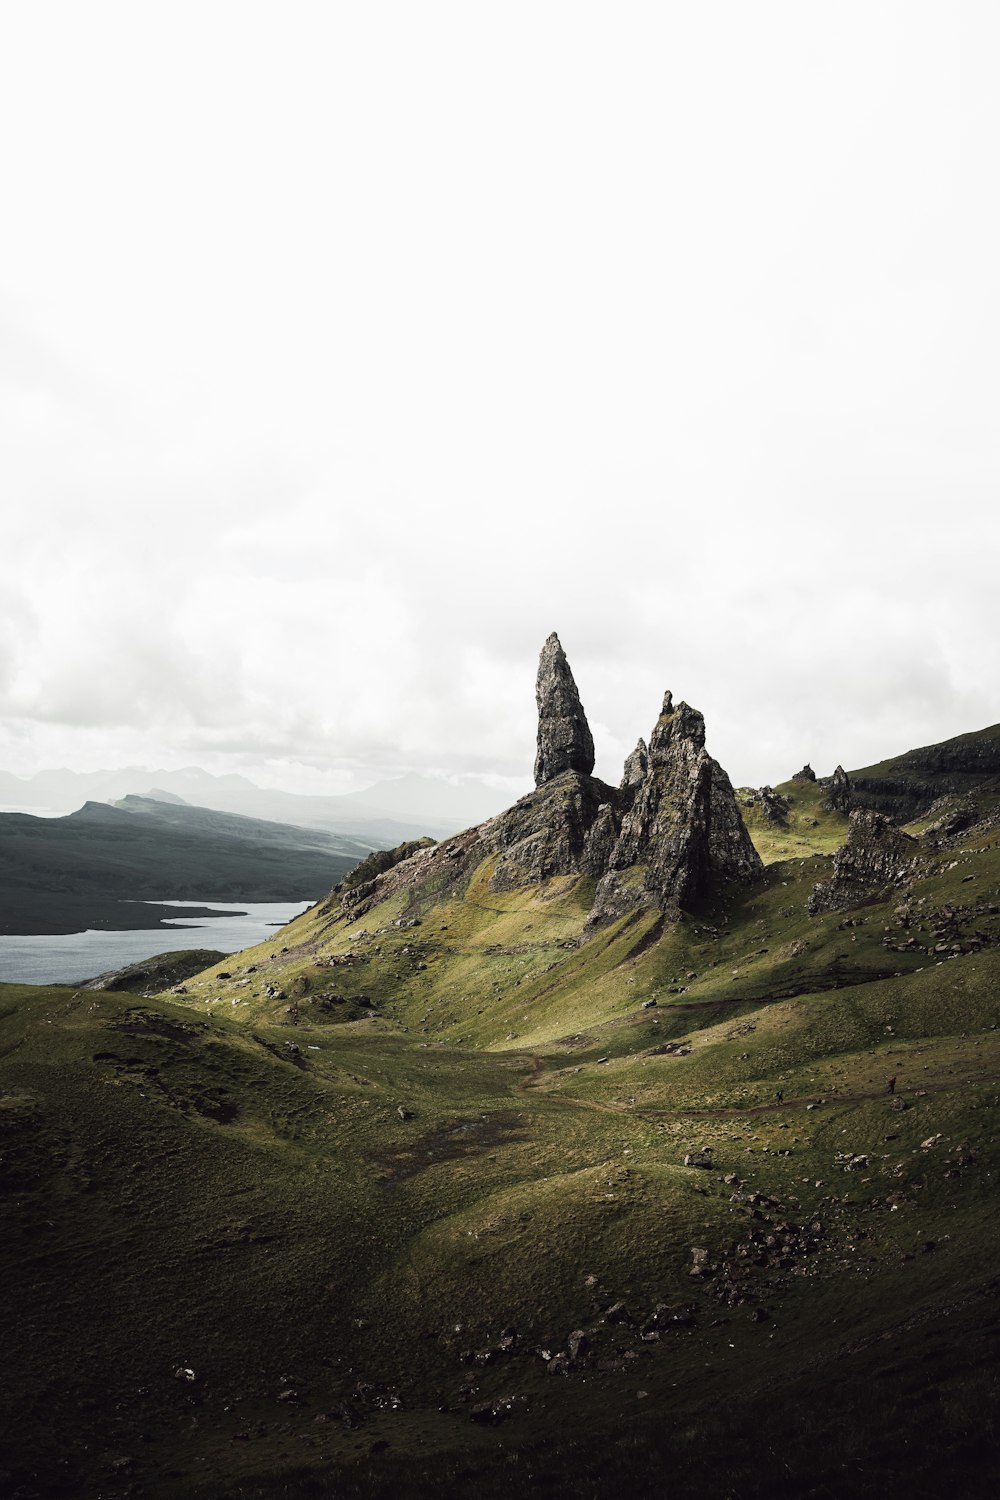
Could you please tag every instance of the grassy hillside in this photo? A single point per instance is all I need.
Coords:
(407, 1196)
(67, 874)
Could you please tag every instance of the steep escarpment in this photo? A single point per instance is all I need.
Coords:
(670, 835)
(907, 786)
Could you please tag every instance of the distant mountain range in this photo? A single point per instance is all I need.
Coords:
(97, 867)
(381, 816)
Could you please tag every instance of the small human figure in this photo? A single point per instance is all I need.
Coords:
(779, 1095)
(891, 1085)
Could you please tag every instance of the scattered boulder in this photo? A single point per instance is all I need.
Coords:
(699, 1159)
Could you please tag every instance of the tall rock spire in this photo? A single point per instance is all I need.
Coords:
(564, 739)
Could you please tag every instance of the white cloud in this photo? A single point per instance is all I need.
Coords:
(346, 352)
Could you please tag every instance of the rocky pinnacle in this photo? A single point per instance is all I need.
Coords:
(564, 739)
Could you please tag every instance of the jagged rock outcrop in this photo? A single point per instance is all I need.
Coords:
(549, 832)
(838, 799)
(953, 815)
(806, 774)
(669, 835)
(359, 883)
(683, 834)
(876, 857)
(564, 739)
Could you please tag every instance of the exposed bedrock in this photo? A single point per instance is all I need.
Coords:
(876, 857)
(564, 739)
(670, 835)
(683, 835)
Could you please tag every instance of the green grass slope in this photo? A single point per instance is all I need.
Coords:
(407, 1195)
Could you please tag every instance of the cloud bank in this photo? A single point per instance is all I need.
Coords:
(344, 356)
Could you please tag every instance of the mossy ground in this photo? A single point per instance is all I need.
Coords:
(344, 1170)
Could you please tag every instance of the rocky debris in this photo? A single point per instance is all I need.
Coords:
(946, 931)
(444, 865)
(379, 861)
(806, 774)
(564, 739)
(606, 1343)
(876, 856)
(490, 1413)
(954, 815)
(770, 805)
(838, 798)
(700, 1158)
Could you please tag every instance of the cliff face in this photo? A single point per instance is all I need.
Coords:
(668, 836)
(908, 785)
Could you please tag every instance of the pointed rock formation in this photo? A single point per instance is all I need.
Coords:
(806, 774)
(670, 835)
(683, 834)
(564, 739)
(839, 796)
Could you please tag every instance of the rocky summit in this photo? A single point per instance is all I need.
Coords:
(670, 835)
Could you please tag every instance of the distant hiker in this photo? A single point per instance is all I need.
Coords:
(891, 1085)
(780, 1095)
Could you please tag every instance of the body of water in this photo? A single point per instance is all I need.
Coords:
(67, 958)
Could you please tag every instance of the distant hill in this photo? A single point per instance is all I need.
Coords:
(91, 868)
(380, 816)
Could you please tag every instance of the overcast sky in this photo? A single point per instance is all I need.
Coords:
(348, 349)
